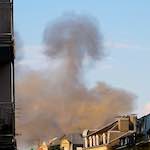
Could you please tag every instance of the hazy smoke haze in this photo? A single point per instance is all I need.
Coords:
(57, 101)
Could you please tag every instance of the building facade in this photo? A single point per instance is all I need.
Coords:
(140, 140)
(108, 137)
(72, 141)
(7, 83)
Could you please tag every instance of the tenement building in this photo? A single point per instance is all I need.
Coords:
(109, 136)
(125, 133)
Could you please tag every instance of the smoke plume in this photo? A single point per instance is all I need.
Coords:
(58, 101)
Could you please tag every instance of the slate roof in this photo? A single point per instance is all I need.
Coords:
(104, 128)
(74, 138)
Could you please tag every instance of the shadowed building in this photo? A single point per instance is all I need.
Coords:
(7, 95)
(142, 138)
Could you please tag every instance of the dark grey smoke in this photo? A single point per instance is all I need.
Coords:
(56, 102)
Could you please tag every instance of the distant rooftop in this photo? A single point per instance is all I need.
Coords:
(75, 138)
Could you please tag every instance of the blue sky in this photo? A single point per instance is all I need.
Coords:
(125, 28)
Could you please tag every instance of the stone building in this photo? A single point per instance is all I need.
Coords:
(72, 141)
(108, 137)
